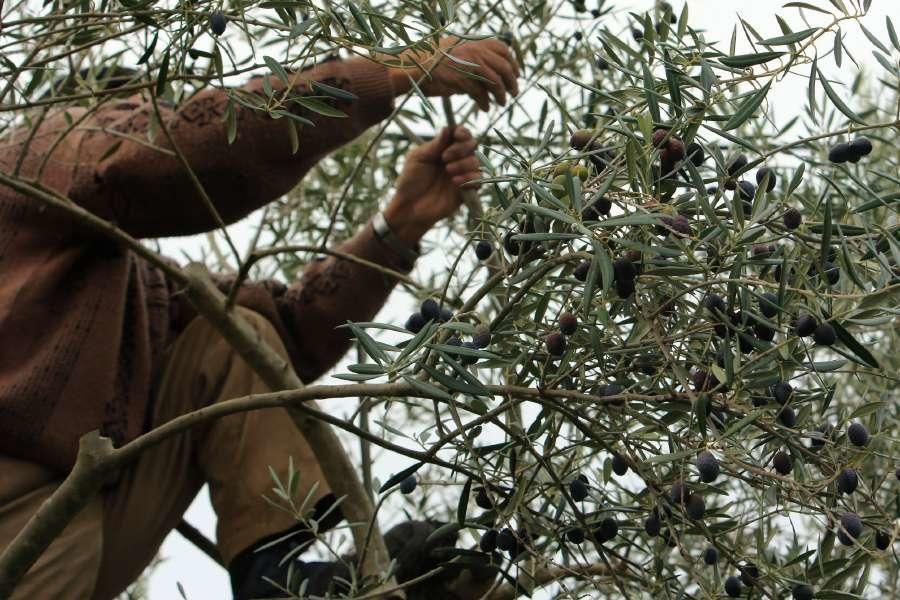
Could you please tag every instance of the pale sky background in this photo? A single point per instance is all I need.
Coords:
(201, 578)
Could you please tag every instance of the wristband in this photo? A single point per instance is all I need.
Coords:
(384, 233)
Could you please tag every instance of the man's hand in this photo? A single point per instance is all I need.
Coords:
(428, 189)
(489, 68)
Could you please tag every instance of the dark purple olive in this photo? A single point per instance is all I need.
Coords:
(408, 485)
(695, 507)
(415, 322)
(597, 209)
(677, 493)
(850, 529)
(696, 154)
(652, 525)
(556, 343)
(802, 592)
(607, 530)
(830, 273)
(861, 146)
(787, 416)
(782, 463)
(483, 250)
(625, 288)
(768, 305)
(506, 540)
(568, 323)
(805, 325)
(619, 465)
(847, 481)
(581, 271)
(733, 587)
(840, 153)
(482, 337)
(714, 304)
(482, 500)
(762, 174)
(217, 22)
(782, 392)
(624, 269)
(749, 573)
(736, 164)
(858, 434)
(825, 433)
(824, 335)
(431, 310)
(707, 466)
(792, 218)
(576, 535)
(488, 542)
(578, 490)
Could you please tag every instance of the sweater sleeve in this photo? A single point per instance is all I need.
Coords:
(148, 192)
(331, 292)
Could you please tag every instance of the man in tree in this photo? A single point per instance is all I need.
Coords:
(94, 337)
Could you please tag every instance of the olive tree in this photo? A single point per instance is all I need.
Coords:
(658, 358)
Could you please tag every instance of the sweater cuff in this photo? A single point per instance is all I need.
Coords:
(366, 244)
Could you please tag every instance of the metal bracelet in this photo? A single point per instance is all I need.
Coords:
(384, 233)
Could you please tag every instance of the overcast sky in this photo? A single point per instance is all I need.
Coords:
(203, 579)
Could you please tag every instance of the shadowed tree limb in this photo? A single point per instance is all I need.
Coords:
(91, 470)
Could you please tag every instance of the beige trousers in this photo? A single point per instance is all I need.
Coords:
(115, 537)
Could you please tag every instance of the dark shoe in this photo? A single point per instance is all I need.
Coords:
(261, 571)
(267, 578)
(409, 545)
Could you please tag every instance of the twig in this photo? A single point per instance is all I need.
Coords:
(544, 576)
(365, 446)
(203, 543)
(198, 186)
(258, 255)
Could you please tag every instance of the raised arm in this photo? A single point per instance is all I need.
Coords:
(106, 163)
(149, 193)
(335, 290)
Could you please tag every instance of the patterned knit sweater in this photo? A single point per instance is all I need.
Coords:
(84, 322)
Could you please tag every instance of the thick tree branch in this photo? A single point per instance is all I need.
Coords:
(92, 466)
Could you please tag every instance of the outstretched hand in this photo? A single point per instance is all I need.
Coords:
(478, 68)
(428, 189)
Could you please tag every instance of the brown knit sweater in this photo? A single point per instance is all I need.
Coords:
(83, 322)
